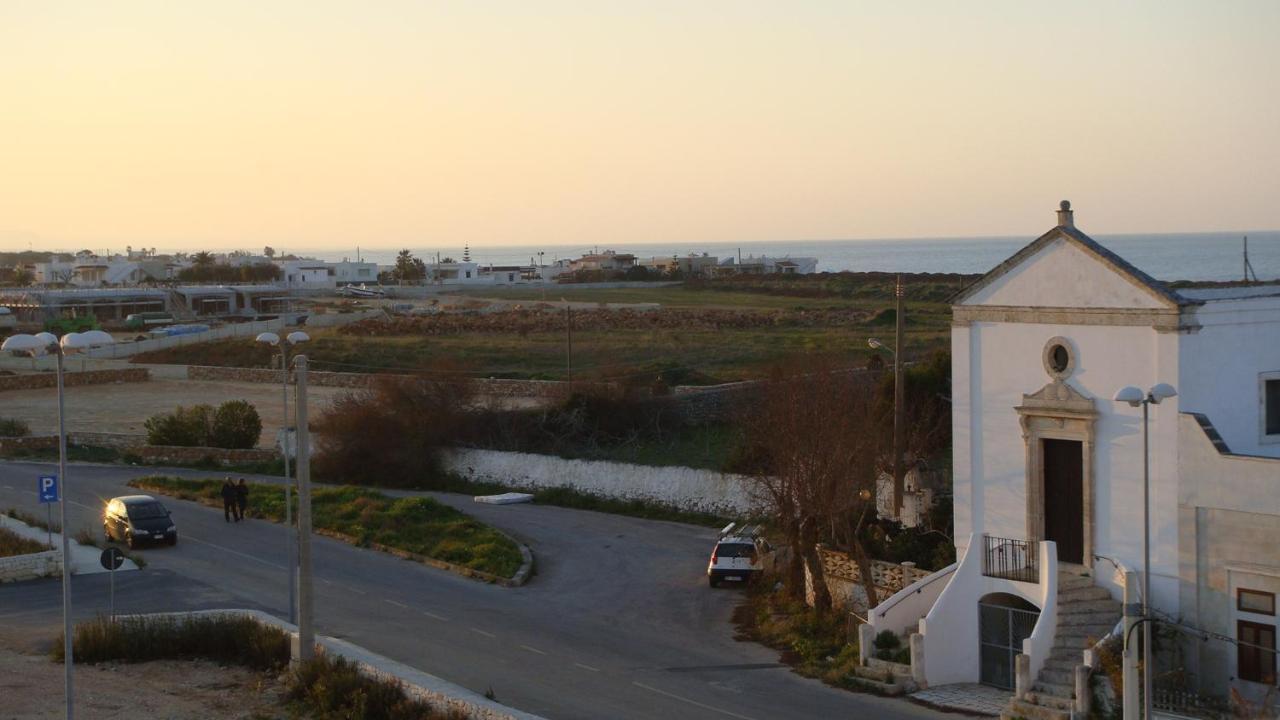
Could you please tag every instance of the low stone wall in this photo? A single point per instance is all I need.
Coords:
(320, 378)
(35, 442)
(29, 567)
(119, 441)
(164, 454)
(31, 381)
(679, 487)
(844, 579)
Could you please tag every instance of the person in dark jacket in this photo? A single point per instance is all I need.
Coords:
(229, 501)
(242, 498)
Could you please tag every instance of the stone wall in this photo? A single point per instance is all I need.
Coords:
(35, 442)
(29, 567)
(164, 454)
(844, 579)
(485, 386)
(680, 487)
(119, 441)
(89, 377)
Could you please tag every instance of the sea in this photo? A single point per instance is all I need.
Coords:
(1183, 256)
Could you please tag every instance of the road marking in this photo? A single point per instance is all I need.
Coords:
(397, 604)
(8, 487)
(695, 703)
(356, 590)
(587, 667)
(533, 649)
(192, 538)
(482, 632)
(326, 581)
(435, 616)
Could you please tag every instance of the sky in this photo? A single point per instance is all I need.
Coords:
(326, 125)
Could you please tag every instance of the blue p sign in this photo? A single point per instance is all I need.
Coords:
(48, 488)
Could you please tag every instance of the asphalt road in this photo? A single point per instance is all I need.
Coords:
(618, 622)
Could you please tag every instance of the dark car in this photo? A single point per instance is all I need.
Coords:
(138, 519)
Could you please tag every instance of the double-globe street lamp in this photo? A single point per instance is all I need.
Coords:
(1136, 397)
(294, 338)
(41, 344)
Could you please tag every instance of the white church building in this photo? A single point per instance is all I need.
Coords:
(1049, 482)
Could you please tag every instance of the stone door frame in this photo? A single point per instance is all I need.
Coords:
(1058, 412)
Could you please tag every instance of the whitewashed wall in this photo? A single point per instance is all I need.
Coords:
(681, 487)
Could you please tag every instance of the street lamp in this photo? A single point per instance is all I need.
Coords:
(41, 344)
(899, 419)
(294, 338)
(1136, 397)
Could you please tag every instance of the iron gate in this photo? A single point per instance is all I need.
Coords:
(1001, 630)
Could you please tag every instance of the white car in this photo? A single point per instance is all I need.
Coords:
(739, 555)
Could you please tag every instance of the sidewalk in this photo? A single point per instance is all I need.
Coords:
(84, 558)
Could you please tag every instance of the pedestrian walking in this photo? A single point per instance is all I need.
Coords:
(242, 497)
(229, 501)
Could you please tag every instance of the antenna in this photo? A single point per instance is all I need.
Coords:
(1248, 267)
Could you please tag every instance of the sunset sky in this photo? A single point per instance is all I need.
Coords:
(325, 125)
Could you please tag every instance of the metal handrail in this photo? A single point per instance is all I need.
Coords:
(929, 581)
(997, 562)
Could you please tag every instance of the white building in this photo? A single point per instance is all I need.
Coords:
(1048, 476)
(307, 273)
(354, 273)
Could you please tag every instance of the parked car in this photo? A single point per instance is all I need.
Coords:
(137, 519)
(739, 555)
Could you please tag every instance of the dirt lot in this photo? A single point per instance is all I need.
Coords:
(31, 687)
(123, 407)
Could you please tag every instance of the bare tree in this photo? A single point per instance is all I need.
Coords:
(813, 442)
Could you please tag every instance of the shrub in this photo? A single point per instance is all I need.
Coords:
(12, 544)
(330, 688)
(10, 427)
(235, 425)
(185, 427)
(222, 638)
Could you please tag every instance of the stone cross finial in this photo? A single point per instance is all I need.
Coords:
(1065, 218)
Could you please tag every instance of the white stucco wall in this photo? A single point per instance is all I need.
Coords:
(994, 364)
(1064, 275)
(1220, 367)
(681, 487)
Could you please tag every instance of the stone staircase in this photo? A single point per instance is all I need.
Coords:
(884, 678)
(1086, 613)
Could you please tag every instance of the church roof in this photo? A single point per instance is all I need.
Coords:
(1067, 231)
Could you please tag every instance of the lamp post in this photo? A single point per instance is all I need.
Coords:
(306, 598)
(272, 339)
(37, 345)
(1136, 397)
(899, 487)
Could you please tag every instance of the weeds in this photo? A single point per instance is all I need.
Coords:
(813, 644)
(11, 543)
(221, 638)
(328, 688)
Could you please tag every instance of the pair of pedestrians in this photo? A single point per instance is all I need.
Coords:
(235, 500)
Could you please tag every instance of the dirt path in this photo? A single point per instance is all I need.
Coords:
(31, 687)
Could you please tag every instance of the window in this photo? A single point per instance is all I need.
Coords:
(1256, 601)
(1271, 405)
(1256, 652)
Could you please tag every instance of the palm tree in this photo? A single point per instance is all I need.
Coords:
(204, 258)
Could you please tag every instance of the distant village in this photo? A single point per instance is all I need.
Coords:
(113, 287)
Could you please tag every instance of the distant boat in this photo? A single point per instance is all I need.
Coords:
(362, 291)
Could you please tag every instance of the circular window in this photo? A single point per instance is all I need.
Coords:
(1059, 358)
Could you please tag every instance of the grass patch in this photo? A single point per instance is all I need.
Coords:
(333, 688)
(221, 638)
(417, 525)
(814, 645)
(11, 544)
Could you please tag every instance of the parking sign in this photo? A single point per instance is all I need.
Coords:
(48, 488)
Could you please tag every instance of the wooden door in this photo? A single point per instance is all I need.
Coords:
(1064, 498)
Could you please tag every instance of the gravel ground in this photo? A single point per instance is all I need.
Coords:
(123, 407)
(31, 686)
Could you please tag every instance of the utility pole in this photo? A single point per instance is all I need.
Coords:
(288, 495)
(67, 661)
(899, 432)
(306, 599)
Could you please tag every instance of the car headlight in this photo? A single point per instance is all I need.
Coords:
(171, 528)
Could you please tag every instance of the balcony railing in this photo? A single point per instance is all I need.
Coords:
(1011, 559)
